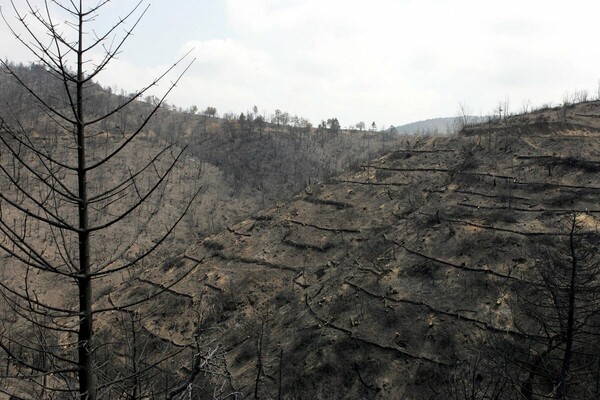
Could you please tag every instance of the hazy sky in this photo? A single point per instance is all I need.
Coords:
(388, 61)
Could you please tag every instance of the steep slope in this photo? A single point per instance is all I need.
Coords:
(241, 167)
(380, 283)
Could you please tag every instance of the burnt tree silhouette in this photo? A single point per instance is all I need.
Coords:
(559, 311)
(61, 204)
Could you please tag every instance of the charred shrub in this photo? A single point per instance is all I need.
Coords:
(172, 262)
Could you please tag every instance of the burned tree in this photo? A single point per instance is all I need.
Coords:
(68, 192)
(558, 312)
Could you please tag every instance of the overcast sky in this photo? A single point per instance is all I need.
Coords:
(388, 61)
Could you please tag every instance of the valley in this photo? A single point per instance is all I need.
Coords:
(149, 251)
(405, 277)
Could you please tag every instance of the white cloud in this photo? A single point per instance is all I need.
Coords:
(391, 61)
(229, 60)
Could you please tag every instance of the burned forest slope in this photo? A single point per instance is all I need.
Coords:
(399, 279)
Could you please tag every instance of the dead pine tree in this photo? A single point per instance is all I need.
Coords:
(49, 180)
(558, 311)
(259, 360)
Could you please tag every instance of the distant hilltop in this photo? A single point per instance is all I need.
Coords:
(444, 125)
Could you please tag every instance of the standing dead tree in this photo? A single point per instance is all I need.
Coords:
(560, 313)
(69, 198)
